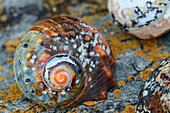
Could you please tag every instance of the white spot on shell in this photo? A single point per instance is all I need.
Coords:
(77, 81)
(32, 61)
(91, 53)
(97, 62)
(63, 92)
(28, 55)
(54, 93)
(89, 79)
(33, 69)
(65, 47)
(25, 68)
(97, 54)
(145, 93)
(55, 48)
(41, 85)
(90, 69)
(34, 57)
(74, 46)
(68, 89)
(44, 92)
(108, 50)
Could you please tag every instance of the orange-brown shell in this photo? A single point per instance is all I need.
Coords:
(86, 51)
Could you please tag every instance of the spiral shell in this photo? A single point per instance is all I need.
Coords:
(143, 18)
(63, 61)
(155, 93)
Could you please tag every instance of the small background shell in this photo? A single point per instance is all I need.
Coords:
(145, 19)
(155, 93)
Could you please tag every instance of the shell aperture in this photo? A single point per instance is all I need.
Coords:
(63, 61)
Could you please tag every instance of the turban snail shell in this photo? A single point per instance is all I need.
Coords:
(63, 61)
(155, 93)
(144, 18)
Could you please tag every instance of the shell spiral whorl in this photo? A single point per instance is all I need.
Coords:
(63, 61)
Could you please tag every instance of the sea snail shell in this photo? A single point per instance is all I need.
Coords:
(63, 61)
(144, 18)
(155, 93)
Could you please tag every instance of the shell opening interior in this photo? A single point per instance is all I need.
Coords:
(60, 71)
(62, 76)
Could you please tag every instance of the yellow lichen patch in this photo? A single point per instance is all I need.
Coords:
(129, 109)
(1, 67)
(2, 78)
(107, 23)
(3, 108)
(1, 9)
(123, 36)
(91, 103)
(88, 19)
(151, 50)
(121, 83)
(19, 111)
(1, 0)
(96, 16)
(11, 45)
(11, 72)
(117, 92)
(144, 74)
(4, 18)
(96, 109)
(13, 93)
(73, 111)
(130, 78)
(119, 47)
(79, 13)
(9, 61)
(2, 94)
(135, 78)
(36, 107)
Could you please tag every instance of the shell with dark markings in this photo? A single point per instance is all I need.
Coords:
(154, 96)
(63, 61)
(144, 18)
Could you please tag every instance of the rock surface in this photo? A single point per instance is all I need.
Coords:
(135, 58)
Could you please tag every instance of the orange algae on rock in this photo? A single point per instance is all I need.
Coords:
(144, 74)
(3, 107)
(36, 107)
(117, 92)
(19, 111)
(119, 47)
(88, 19)
(91, 103)
(73, 111)
(11, 45)
(130, 78)
(11, 72)
(121, 83)
(13, 94)
(1, 67)
(129, 109)
(96, 109)
(9, 61)
(2, 78)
